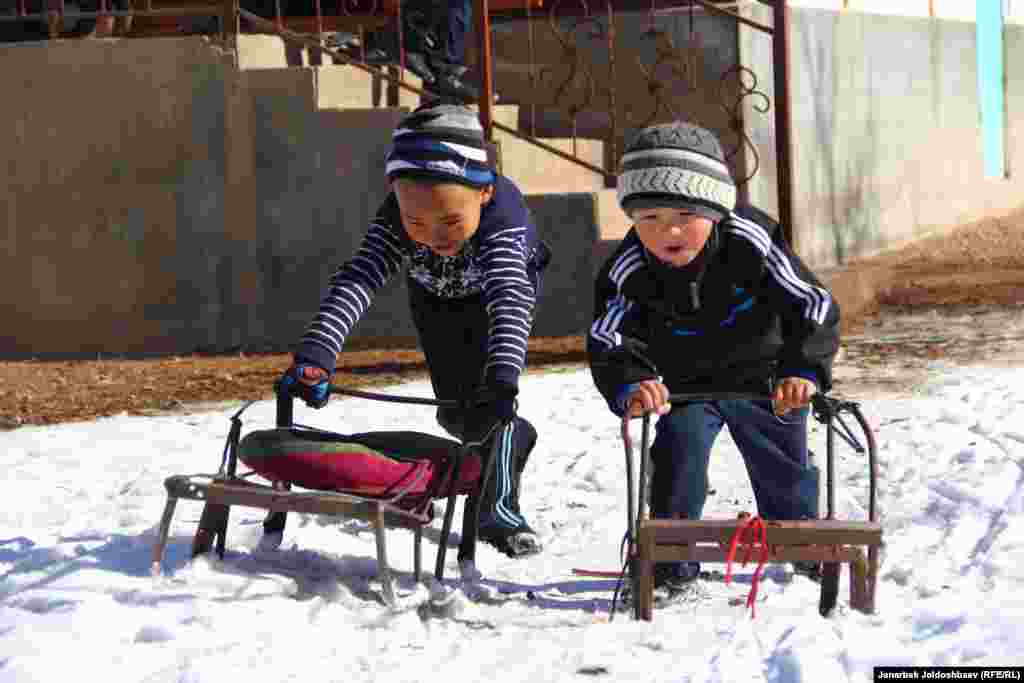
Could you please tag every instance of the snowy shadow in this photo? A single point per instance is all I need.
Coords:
(120, 554)
(355, 526)
(998, 523)
(560, 595)
(550, 595)
(313, 573)
(19, 546)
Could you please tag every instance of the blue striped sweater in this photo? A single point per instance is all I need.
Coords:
(496, 262)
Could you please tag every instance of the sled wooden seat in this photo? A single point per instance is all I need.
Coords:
(829, 541)
(220, 494)
(401, 505)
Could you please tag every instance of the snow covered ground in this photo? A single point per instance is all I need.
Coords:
(81, 502)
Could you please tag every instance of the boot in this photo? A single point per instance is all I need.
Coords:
(670, 581)
(449, 85)
(812, 570)
(382, 50)
(516, 543)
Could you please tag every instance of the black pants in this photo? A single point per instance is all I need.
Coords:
(453, 336)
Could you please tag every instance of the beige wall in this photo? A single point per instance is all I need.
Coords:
(958, 10)
(886, 130)
(114, 157)
(159, 201)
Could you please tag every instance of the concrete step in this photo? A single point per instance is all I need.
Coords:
(553, 122)
(538, 171)
(612, 225)
(534, 170)
(351, 87)
(278, 91)
(258, 51)
(505, 114)
(333, 85)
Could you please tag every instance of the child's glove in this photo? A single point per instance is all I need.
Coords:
(490, 406)
(309, 382)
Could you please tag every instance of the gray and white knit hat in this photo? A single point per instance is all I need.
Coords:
(680, 165)
(444, 141)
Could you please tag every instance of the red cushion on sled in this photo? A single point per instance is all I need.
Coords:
(373, 465)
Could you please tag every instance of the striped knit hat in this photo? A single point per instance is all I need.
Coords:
(443, 141)
(678, 165)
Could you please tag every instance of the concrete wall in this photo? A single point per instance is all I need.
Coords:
(159, 201)
(113, 201)
(886, 130)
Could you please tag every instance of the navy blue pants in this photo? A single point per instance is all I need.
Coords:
(460, 13)
(774, 450)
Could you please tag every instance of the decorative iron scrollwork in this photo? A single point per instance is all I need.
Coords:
(578, 80)
(359, 7)
(681, 65)
(733, 108)
(580, 77)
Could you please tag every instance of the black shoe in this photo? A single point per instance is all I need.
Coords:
(444, 67)
(450, 86)
(812, 570)
(342, 40)
(379, 57)
(457, 70)
(676, 578)
(414, 62)
(519, 542)
(417, 63)
(670, 581)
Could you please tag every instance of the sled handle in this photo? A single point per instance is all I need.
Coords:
(286, 410)
(393, 398)
(825, 410)
(718, 396)
(285, 407)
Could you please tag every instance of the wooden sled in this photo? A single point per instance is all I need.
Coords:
(389, 509)
(829, 541)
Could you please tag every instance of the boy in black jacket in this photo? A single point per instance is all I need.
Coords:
(702, 295)
(473, 260)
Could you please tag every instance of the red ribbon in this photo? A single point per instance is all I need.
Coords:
(755, 524)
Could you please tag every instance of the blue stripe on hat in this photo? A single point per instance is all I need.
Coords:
(404, 146)
(461, 170)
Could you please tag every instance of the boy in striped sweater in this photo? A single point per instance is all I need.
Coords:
(704, 295)
(468, 245)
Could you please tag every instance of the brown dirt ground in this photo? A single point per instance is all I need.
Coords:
(981, 264)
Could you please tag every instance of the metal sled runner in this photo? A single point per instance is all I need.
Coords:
(829, 541)
(431, 468)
